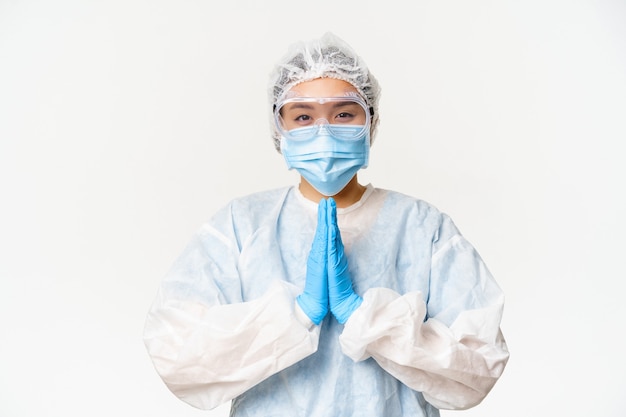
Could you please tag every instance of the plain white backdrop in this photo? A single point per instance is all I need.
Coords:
(124, 125)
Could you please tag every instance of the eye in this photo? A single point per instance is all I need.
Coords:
(303, 118)
(296, 115)
(345, 116)
(346, 112)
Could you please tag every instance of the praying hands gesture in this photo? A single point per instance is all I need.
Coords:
(328, 282)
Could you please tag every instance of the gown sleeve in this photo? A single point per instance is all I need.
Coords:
(205, 342)
(446, 344)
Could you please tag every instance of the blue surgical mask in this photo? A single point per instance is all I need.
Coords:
(327, 160)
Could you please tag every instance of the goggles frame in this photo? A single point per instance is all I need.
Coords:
(308, 130)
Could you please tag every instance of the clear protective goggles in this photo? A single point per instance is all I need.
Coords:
(301, 118)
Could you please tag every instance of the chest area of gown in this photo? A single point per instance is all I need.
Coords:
(376, 258)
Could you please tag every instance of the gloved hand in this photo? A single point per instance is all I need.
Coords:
(343, 299)
(314, 299)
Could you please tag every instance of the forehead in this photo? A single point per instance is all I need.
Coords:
(322, 87)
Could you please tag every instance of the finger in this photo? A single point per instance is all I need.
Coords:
(334, 234)
(332, 212)
(333, 229)
(331, 222)
(334, 240)
(322, 214)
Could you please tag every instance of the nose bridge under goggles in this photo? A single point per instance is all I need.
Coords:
(300, 118)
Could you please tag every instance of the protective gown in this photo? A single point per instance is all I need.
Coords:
(225, 324)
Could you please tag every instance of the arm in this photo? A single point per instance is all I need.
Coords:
(453, 353)
(205, 342)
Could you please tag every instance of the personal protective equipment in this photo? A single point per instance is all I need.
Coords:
(343, 300)
(314, 300)
(328, 56)
(295, 116)
(226, 325)
(326, 161)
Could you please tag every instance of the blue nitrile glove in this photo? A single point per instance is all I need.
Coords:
(314, 299)
(343, 299)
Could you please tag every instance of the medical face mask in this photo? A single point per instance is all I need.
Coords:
(327, 161)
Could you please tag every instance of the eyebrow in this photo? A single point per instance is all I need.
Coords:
(305, 105)
(298, 105)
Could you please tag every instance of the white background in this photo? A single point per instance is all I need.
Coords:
(125, 124)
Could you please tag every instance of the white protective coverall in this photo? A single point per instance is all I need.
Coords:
(225, 324)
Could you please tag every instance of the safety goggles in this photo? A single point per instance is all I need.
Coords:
(300, 118)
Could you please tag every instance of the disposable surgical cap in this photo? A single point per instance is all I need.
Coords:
(326, 57)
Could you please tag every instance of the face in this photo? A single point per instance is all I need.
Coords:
(299, 112)
(324, 125)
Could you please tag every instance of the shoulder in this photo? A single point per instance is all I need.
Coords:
(259, 202)
(401, 202)
(252, 209)
(416, 212)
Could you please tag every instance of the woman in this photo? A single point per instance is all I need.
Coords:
(331, 298)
